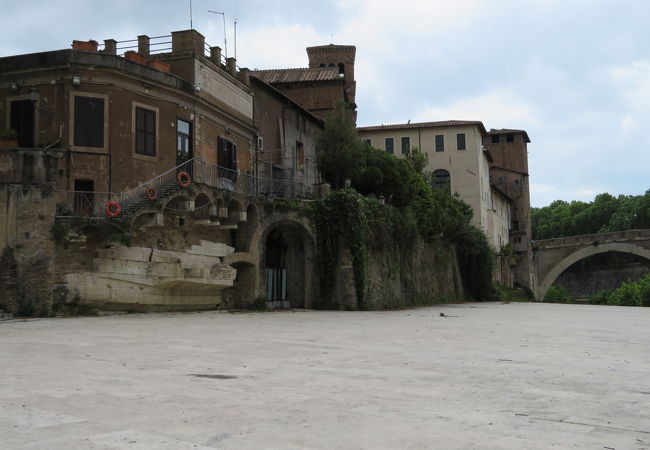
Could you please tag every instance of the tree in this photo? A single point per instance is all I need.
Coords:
(339, 151)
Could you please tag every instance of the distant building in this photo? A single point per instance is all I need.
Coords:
(509, 172)
(456, 156)
(326, 83)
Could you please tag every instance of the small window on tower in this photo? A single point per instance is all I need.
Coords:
(510, 138)
(495, 138)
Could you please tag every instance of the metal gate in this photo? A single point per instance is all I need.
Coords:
(276, 288)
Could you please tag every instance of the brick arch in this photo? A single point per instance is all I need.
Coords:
(583, 253)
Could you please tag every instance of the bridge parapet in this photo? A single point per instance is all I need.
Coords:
(591, 239)
(554, 256)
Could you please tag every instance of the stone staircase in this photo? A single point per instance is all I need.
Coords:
(166, 191)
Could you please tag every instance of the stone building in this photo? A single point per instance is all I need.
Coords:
(125, 120)
(509, 172)
(287, 144)
(326, 83)
(168, 142)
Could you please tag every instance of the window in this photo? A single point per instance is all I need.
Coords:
(145, 131)
(183, 141)
(440, 143)
(406, 145)
(22, 121)
(515, 225)
(300, 155)
(389, 145)
(496, 138)
(88, 121)
(227, 154)
(510, 137)
(460, 141)
(442, 180)
(368, 142)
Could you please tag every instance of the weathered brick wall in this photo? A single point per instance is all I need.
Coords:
(27, 267)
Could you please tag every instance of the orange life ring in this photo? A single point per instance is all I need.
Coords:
(112, 209)
(183, 179)
(151, 193)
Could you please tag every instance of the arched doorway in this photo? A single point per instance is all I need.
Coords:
(286, 271)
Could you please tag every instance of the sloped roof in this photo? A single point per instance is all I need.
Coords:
(279, 76)
(442, 123)
(510, 131)
(281, 95)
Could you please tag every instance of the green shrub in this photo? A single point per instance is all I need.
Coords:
(601, 298)
(644, 291)
(626, 295)
(557, 294)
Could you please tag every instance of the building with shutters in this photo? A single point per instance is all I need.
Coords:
(124, 118)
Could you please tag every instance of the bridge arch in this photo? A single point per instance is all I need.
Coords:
(583, 253)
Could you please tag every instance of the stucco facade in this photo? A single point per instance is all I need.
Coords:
(467, 165)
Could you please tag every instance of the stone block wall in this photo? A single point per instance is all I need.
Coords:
(26, 264)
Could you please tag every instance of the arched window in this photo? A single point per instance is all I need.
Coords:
(442, 180)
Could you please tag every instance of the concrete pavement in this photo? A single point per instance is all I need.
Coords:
(484, 376)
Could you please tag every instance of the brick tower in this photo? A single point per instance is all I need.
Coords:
(340, 56)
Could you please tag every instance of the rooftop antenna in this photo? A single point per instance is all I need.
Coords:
(225, 41)
(235, 30)
(191, 24)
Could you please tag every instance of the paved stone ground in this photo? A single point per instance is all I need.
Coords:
(484, 376)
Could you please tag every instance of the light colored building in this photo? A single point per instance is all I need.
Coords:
(456, 157)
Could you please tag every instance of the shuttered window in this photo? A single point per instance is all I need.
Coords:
(227, 154)
(145, 131)
(88, 121)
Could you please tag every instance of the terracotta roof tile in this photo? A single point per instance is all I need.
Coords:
(279, 76)
(442, 123)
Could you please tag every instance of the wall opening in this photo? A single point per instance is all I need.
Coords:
(285, 266)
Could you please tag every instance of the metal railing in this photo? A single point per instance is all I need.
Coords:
(93, 204)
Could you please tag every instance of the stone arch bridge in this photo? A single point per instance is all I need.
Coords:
(554, 256)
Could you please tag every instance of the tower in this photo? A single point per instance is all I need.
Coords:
(340, 56)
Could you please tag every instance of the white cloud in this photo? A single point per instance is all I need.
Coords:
(634, 80)
(277, 47)
(496, 109)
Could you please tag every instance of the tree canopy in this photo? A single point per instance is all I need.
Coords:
(606, 213)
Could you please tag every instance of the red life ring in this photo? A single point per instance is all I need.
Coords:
(112, 209)
(151, 193)
(183, 179)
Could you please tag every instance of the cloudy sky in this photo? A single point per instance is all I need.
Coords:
(574, 73)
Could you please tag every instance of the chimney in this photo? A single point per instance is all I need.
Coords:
(143, 45)
(110, 46)
(231, 66)
(215, 55)
(188, 40)
(244, 76)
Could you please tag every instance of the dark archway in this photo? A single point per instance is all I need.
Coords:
(602, 271)
(285, 265)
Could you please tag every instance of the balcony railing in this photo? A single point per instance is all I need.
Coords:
(94, 204)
